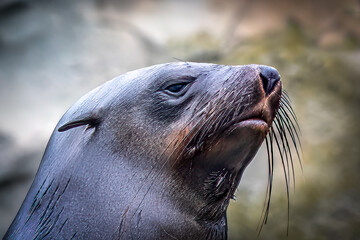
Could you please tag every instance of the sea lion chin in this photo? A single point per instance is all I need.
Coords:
(156, 153)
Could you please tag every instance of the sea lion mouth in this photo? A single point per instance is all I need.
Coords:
(259, 118)
(262, 115)
(257, 123)
(254, 124)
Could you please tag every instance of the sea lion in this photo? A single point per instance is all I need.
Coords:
(156, 153)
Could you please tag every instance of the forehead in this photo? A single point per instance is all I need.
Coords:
(170, 71)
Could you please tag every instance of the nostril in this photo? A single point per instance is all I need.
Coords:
(265, 82)
(269, 77)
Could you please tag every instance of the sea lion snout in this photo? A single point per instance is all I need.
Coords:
(269, 77)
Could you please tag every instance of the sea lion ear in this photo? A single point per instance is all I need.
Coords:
(91, 119)
(91, 122)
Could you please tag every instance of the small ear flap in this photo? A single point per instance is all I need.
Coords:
(91, 122)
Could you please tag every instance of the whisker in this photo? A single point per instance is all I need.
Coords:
(291, 129)
(286, 182)
(288, 146)
(268, 188)
(290, 121)
(285, 124)
(285, 102)
(287, 149)
(272, 172)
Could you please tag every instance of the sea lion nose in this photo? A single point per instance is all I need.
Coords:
(269, 77)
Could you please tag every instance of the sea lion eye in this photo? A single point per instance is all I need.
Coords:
(175, 88)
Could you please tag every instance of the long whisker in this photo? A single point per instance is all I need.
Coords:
(286, 103)
(291, 130)
(286, 148)
(287, 130)
(283, 124)
(268, 187)
(272, 173)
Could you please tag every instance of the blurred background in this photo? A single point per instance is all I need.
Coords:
(53, 52)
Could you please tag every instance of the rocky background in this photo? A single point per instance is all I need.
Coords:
(53, 52)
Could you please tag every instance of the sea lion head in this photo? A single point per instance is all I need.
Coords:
(157, 146)
(194, 126)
